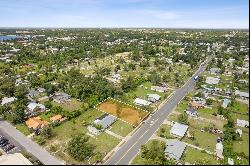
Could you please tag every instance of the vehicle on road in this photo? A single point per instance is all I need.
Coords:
(196, 78)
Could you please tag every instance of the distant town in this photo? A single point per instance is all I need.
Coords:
(123, 96)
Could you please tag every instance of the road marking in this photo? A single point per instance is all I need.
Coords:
(135, 143)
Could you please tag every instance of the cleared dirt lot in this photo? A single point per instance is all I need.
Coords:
(127, 113)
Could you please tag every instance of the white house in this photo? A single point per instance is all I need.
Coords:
(174, 149)
(219, 150)
(141, 102)
(241, 94)
(34, 108)
(242, 123)
(158, 88)
(225, 103)
(153, 97)
(212, 80)
(178, 129)
(8, 100)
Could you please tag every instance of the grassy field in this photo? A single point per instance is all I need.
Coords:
(127, 113)
(121, 128)
(202, 139)
(242, 146)
(23, 129)
(69, 106)
(197, 157)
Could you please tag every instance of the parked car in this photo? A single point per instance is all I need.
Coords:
(4, 144)
(2, 141)
(8, 147)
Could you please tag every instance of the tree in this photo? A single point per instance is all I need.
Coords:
(183, 118)
(154, 153)
(80, 148)
(47, 132)
(48, 104)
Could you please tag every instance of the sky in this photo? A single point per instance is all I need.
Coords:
(125, 13)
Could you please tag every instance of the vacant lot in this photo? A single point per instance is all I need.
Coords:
(123, 111)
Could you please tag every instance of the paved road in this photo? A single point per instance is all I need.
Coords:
(41, 154)
(126, 153)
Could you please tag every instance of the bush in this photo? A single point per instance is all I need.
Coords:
(183, 118)
(40, 140)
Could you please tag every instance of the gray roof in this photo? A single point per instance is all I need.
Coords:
(106, 121)
(174, 149)
(179, 129)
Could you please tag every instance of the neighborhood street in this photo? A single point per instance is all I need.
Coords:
(37, 151)
(128, 151)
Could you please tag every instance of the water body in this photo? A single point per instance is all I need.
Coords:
(9, 37)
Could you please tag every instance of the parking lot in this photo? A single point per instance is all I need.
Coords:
(7, 145)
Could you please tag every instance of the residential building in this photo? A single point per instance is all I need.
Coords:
(212, 80)
(7, 100)
(196, 105)
(61, 97)
(179, 130)
(105, 121)
(214, 70)
(159, 88)
(14, 159)
(219, 150)
(192, 112)
(36, 123)
(242, 123)
(57, 118)
(225, 103)
(141, 102)
(34, 109)
(174, 149)
(153, 97)
(244, 95)
(33, 93)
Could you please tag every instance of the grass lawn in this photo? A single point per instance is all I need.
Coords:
(69, 106)
(202, 139)
(23, 129)
(121, 128)
(242, 146)
(194, 156)
(104, 143)
(138, 160)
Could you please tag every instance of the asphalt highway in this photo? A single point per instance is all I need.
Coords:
(128, 151)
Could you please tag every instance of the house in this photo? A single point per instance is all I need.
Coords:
(153, 97)
(178, 129)
(93, 130)
(214, 70)
(57, 118)
(239, 131)
(212, 80)
(14, 159)
(141, 102)
(199, 100)
(8, 100)
(196, 105)
(244, 95)
(33, 93)
(192, 112)
(36, 123)
(219, 150)
(159, 88)
(34, 108)
(174, 149)
(41, 90)
(61, 97)
(242, 123)
(105, 121)
(225, 103)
